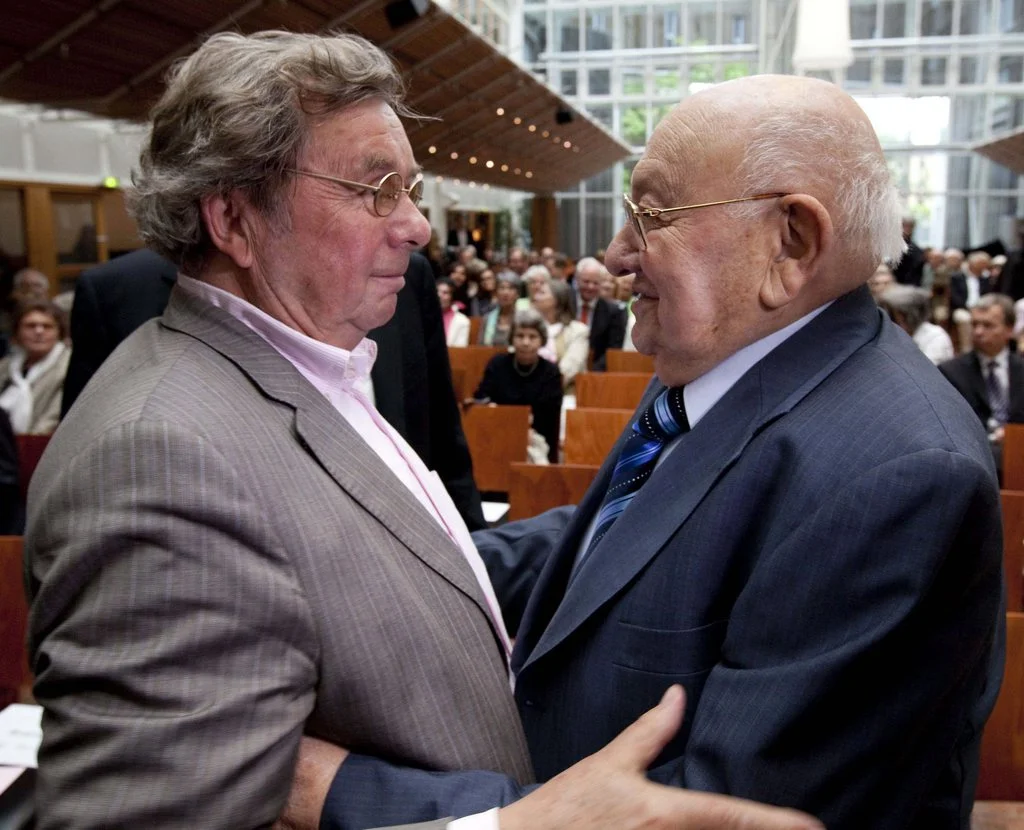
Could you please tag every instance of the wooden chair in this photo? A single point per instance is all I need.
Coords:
(472, 360)
(591, 433)
(1013, 457)
(610, 390)
(15, 677)
(1013, 548)
(497, 437)
(534, 488)
(474, 330)
(30, 450)
(1002, 747)
(459, 384)
(622, 361)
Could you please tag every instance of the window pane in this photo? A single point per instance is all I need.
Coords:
(599, 228)
(568, 85)
(667, 27)
(737, 22)
(602, 114)
(1011, 69)
(972, 69)
(1007, 112)
(702, 22)
(737, 69)
(599, 82)
(599, 29)
(75, 230)
(936, 18)
(634, 31)
(634, 126)
(659, 112)
(973, 17)
(702, 73)
(894, 20)
(863, 14)
(967, 117)
(1011, 15)
(892, 71)
(666, 81)
(632, 82)
(859, 73)
(933, 71)
(567, 26)
(535, 36)
(601, 183)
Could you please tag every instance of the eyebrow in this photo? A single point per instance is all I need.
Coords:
(383, 164)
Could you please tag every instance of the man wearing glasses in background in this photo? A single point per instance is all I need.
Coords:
(802, 525)
(227, 545)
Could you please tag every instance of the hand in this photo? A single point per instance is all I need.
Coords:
(609, 789)
(315, 769)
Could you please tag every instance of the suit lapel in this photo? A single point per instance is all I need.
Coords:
(978, 387)
(328, 437)
(766, 392)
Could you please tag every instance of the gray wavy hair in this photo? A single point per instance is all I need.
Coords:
(235, 116)
(528, 318)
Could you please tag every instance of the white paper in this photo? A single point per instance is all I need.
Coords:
(21, 732)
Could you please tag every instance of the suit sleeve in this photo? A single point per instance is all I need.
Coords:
(892, 587)
(170, 699)
(91, 342)
(616, 337)
(448, 446)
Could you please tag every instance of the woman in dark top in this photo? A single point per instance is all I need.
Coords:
(524, 377)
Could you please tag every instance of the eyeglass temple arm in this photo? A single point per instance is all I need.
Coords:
(653, 212)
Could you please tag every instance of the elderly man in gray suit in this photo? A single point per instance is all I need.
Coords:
(228, 547)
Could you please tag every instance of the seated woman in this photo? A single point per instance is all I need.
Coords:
(568, 339)
(484, 300)
(32, 378)
(909, 308)
(497, 323)
(524, 377)
(456, 324)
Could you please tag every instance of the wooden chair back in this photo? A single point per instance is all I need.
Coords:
(591, 433)
(472, 360)
(497, 437)
(459, 384)
(534, 488)
(15, 678)
(610, 390)
(1013, 548)
(1013, 457)
(1001, 776)
(618, 360)
(30, 450)
(474, 330)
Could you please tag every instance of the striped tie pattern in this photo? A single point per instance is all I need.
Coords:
(663, 420)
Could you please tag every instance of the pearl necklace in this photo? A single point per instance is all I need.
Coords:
(520, 372)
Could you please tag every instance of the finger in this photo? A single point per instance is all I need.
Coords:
(706, 811)
(641, 742)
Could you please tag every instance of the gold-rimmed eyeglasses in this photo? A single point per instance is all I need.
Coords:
(635, 211)
(385, 194)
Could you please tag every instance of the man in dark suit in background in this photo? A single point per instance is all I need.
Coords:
(606, 319)
(910, 269)
(991, 377)
(411, 377)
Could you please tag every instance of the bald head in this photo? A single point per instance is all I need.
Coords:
(774, 133)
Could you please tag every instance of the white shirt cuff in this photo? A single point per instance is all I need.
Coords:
(480, 821)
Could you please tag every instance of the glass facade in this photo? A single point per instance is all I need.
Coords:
(937, 77)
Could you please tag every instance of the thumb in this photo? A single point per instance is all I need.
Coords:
(638, 745)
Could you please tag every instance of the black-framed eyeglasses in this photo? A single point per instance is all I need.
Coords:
(635, 211)
(385, 194)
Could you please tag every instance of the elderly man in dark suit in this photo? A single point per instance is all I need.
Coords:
(606, 319)
(802, 525)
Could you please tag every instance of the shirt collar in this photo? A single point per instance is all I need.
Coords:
(323, 365)
(1002, 359)
(707, 390)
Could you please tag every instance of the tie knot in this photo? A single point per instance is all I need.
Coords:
(665, 417)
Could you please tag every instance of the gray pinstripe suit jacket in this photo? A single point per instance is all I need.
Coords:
(218, 562)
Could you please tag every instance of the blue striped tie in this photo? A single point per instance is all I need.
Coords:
(662, 421)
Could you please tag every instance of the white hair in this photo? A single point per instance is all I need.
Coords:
(837, 160)
(589, 263)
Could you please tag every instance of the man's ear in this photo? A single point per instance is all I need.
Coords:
(229, 222)
(805, 237)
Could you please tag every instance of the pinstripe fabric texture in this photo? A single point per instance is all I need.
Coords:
(218, 562)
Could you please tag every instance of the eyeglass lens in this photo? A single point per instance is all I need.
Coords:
(631, 212)
(390, 191)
